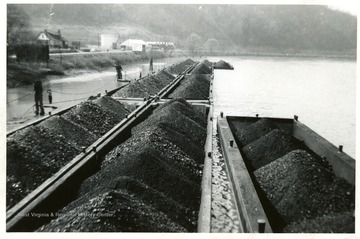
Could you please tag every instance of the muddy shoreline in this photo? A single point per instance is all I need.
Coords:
(25, 73)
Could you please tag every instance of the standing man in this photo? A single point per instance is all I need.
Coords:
(118, 70)
(38, 98)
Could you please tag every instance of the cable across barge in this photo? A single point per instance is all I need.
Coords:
(286, 177)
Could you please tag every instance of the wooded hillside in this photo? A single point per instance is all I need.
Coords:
(275, 27)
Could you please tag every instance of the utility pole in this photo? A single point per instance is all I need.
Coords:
(60, 56)
(39, 98)
(98, 40)
(151, 65)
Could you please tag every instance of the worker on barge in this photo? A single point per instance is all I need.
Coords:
(118, 70)
(38, 91)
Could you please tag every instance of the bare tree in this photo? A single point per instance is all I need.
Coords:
(193, 42)
(211, 44)
(18, 25)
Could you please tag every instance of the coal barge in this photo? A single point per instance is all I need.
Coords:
(287, 176)
(143, 163)
(153, 148)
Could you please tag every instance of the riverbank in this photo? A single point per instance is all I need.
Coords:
(63, 65)
(25, 73)
(346, 54)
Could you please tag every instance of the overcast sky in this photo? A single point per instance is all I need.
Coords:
(352, 9)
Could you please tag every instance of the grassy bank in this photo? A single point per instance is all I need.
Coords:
(99, 61)
(20, 73)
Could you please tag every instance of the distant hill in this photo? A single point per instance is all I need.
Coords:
(275, 27)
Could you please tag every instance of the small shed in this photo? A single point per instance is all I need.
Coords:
(134, 45)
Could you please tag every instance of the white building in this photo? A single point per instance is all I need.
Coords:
(134, 45)
(160, 45)
(109, 41)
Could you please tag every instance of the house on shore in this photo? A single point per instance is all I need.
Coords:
(53, 40)
(134, 45)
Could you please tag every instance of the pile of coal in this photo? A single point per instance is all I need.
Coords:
(178, 68)
(189, 61)
(263, 142)
(334, 223)
(146, 86)
(192, 87)
(254, 131)
(33, 155)
(37, 152)
(201, 68)
(299, 188)
(223, 65)
(112, 105)
(151, 182)
(138, 89)
(268, 148)
(159, 82)
(132, 90)
(92, 117)
(164, 74)
(73, 133)
(208, 63)
(115, 210)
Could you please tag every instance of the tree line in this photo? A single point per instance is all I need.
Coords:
(276, 27)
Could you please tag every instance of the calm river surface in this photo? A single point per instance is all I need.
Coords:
(321, 92)
(67, 91)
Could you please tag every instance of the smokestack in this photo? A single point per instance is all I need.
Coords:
(59, 32)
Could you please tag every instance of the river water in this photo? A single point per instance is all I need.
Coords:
(67, 91)
(321, 92)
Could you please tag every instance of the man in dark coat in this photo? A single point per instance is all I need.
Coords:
(38, 98)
